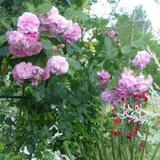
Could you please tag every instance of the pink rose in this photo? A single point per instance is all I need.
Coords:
(103, 77)
(72, 34)
(23, 71)
(109, 96)
(141, 59)
(129, 84)
(57, 65)
(111, 34)
(28, 22)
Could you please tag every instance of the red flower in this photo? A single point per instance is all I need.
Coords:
(137, 105)
(115, 132)
(144, 96)
(135, 131)
(126, 105)
(123, 99)
(129, 135)
(116, 121)
(130, 118)
(135, 97)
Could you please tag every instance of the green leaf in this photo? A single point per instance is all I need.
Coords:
(74, 63)
(68, 1)
(69, 49)
(1, 147)
(30, 7)
(44, 7)
(76, 48)
(14, 21)
(3, 51)
(137, 44)
(30, 148)
(82, 16)
(2, 39)
(126, 49)
(156, 150)
(112, 83)
(47, 43)
(107, 44)
(70, 13)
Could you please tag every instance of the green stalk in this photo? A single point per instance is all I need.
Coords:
(154, 154)
(132, 149)
(103, 146)
(142, 154)
(119, 146)
(113, 154)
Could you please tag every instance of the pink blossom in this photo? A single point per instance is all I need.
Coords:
(109, 96)
(39, 75)
(104, 77)
(31, 37)
(141, 59)
(46, 18)
(28, 22)
(58, 25)
(46, 74)
(102, 84)
(23, 44)
(144, 84)
(129, 135)
(57, 65)
(111, 34)
(27, 71)
(103, 74)
(53, 22)
(34, 49)
(23, 71)
(129, 84)
(72, 34)
(14, 37)
(22, 51)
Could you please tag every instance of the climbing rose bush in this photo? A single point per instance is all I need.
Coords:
(69, 105)
(24, 42)
(127, 99)
(141, 59)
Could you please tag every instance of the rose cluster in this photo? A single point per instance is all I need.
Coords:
(27, 71)
(128, 85)
(58, 25)
(24, 42)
